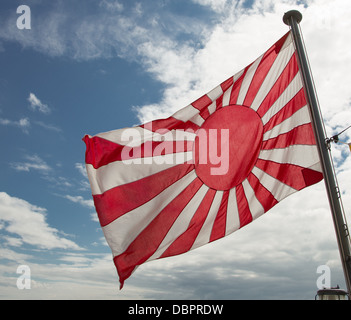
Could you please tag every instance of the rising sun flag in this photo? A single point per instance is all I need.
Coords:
(172, 185)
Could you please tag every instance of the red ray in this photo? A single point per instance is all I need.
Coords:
(185, 241)
(237, 86)
(219, 226)
(262, 70)
(243, 207)
(120, 200)
(279, 87)
(227, 84)
(266, 199)
(147, 242)
(202, 104)
(291, 175)
(295, 104)
(302, 135)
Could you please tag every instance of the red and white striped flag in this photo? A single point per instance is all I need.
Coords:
(173, 185)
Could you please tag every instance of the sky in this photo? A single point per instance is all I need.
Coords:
(86, 67)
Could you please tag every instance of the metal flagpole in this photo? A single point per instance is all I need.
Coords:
(292, 19)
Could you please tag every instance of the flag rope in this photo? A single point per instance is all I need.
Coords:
(336, 138)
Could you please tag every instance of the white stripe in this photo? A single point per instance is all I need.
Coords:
(133, 137)
(288, 41)
(189, 113)
(226, 96)
(182, 222)
(205, 233)
(278, 189)
(238, 75)
(186, 113)
(247, 80)
(290, 92)
(212, 108)
(215, 93)
(255, 206)
(299, 118)
(233, 219)
(317, 167)
(277, 68)
(300, 155)
(197, 120)
(119, 173)
(122, 136)
(124, 230)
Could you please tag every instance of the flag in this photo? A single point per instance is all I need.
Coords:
(172, 185)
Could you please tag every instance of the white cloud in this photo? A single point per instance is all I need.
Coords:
(81, 168)
(48, 126)
(36, 104)
(28, 223)
(33, 162)
(216, 5)
(8, 254)
(13, 242)
(84, 183)
(233, 43)
(112, 5)
(109, 32)
(240, 37)
(80, 200)
(71, 276)
(94, 217)
(23, 123)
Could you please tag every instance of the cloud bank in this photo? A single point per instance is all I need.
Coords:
(28, 224)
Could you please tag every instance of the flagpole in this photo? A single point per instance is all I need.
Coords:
(292, 19)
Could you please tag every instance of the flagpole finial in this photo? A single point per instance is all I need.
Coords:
(292, 14)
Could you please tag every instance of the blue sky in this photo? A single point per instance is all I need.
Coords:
(87, 67)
